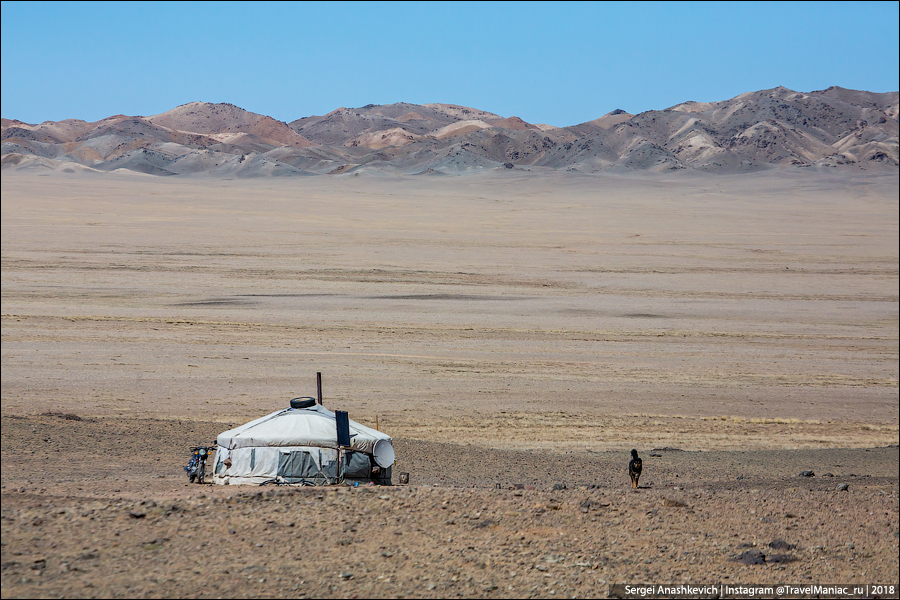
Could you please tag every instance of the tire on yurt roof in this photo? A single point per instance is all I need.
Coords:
(305, 402)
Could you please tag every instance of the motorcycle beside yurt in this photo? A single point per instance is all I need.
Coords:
(196, 468)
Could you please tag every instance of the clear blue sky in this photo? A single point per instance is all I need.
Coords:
(556, 63)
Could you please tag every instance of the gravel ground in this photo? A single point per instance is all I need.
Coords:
(117, 518)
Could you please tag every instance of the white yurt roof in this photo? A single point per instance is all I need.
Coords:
(313, 426)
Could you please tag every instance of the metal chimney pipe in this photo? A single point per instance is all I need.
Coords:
(319, 387)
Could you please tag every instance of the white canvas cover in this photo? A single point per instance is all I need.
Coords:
(307, 437)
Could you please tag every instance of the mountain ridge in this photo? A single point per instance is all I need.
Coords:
(775, 128)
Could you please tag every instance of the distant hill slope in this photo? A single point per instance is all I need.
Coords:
(777, 128)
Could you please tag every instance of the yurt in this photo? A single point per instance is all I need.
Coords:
(299, 445)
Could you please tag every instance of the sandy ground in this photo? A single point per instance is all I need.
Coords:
(505, 330)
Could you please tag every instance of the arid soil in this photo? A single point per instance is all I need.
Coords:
(512, 335)
(117, 518)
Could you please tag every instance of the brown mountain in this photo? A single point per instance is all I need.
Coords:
(777, 128)
(206, 118)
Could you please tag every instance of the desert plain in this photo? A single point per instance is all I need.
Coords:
(517, 333)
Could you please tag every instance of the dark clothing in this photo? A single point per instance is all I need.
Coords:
(634, 468)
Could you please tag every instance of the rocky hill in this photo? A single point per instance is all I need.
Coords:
(777, 128)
